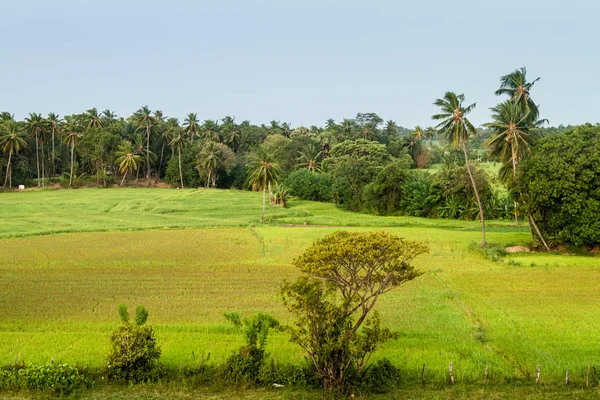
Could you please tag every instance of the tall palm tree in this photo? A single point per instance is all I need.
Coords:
(330, 124)
(171, 126)
(11, 141)
(72, 135)
(191, 125)
(109, 116)
(391, 129)
(127, 160)
(418, 133)
(430, 133)
(210, 159)
(231, 132)
(517, 88)
(145, 121)
(93, 119)
(457, 129)
(54, 126)
(178, 142)
(34, 124)
(264, 171)
(210, 130)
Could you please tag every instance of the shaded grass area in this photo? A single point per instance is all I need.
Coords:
(60, 292)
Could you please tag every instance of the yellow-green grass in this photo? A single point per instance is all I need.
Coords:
(60, 292)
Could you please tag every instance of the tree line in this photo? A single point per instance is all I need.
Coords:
(362, 163)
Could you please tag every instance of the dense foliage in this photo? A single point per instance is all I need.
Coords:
(560, 186)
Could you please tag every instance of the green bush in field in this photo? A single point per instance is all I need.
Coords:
(245, 365)
(346, 274)
(380, 377)
(55, 379)
(134, 355)
(309, 185)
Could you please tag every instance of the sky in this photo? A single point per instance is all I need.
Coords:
(301, 61)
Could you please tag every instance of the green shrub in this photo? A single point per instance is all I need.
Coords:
(380, 377)
(134, 355)
(55, 379)
(245, 365)
(309, 185)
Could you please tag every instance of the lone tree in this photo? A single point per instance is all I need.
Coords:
(347, 273)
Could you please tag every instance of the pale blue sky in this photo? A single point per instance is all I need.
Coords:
(296, 61)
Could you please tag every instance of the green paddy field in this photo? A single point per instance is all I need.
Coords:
(69, 257)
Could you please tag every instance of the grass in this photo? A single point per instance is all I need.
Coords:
(60, 291)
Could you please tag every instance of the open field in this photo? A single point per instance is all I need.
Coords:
(68, 258)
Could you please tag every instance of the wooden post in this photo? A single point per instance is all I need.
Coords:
(451, 374)
(423, 375)
(587, 376)
(567, 377)
(537, 374)
(485, 374)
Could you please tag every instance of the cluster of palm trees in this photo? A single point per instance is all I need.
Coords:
(513, 130)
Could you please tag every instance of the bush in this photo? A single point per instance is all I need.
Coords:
(416, 190)
(191, 178)
(56, 379)
(134, 352)
(245, 365)
(309, 185)
(380, 377)
(384, 193)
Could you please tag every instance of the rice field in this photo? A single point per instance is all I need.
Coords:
(68, 258)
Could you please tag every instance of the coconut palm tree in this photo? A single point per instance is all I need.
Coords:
(6, 116)
(171, 126)
(391, 129)
(517, 88)
(309, 158)
(430, 133)
(418, 133)
(35, 125)
(231, 132)
(210, 130)
(127, 160)
(191, 125)
(71, 137)
(457, 129)
(54, 126)
(93, 119)
(264, 171)
(178, 142)
(145, 121)
(11, 141)
(210, 159)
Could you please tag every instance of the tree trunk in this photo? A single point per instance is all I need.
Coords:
(262, 217)
(8, 166)
(162, 149)
(180, 173)
(148, 155)
(72, 161)
(482, 217)
(514, 163)
(37, 159)
(538, 232)
(43, 165)
(53, 155)
(124, 176)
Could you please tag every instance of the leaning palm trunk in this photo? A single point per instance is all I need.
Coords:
(124, 176)
(538, 232)
(464, 147)
(180, 173)
(8, 171)
(72, 161)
